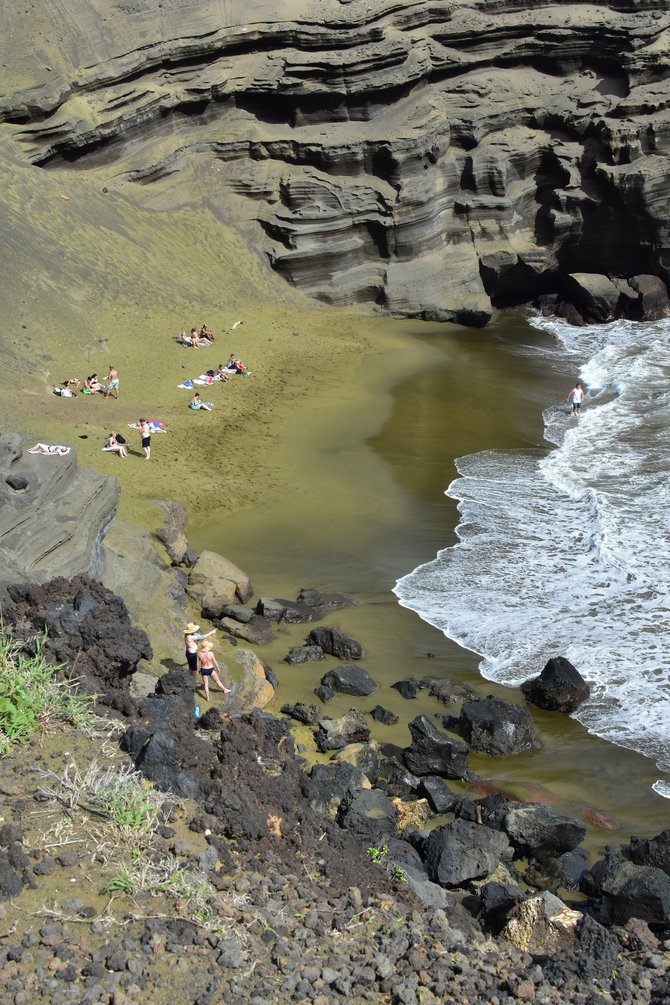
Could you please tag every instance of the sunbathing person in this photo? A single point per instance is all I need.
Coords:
(222, 372)
(184, 339)
(116, 444)
(49, 448)
(206, 332)
(236, 365)
(197, 340)
(73, 385)
(93, 385)
(197, 404)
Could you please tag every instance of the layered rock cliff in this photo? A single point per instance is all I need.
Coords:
(53, 515)
(433, 158)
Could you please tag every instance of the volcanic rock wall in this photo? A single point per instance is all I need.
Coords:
(53, 515)
(433, 158)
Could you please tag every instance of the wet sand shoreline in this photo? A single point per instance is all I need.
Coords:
(360, 540)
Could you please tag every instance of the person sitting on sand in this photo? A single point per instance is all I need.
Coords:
(197, 404)
(222, 372)
(208, 667)
(197, 340)
(49, 448)
(206, 332)
(116, 444)
(93, 385)
(237, 365)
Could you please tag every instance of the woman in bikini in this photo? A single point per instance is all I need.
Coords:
(208, 667)
(49, 448)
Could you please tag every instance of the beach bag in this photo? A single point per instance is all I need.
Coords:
(120, 439)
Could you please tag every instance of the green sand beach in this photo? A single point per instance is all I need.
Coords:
(325, 468)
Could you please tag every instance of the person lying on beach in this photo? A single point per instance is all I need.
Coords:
(208, 667)
(197, 404)
(117, 444)
(73, 385)
(184, 339)
(49, 448)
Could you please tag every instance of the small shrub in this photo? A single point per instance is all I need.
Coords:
(32, 696)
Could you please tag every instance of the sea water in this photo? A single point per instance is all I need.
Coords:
(565, 551)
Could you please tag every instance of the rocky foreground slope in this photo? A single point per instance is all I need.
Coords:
(257, 877)
(433, 158)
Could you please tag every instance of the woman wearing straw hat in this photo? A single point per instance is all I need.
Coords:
(208, 667)
(193, 635)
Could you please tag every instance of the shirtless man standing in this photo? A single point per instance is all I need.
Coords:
(113, 383)
(145, 436)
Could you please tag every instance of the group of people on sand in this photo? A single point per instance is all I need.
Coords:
(117, 444)
(199, 337)
(200, 658)
(93, 385)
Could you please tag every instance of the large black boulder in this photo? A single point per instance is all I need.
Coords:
(335, 643)
(304, 654)
(353, 680)
(541, 832)
(433, 752)
(559, 688)
(631, 891)
(655, 852)
(369, 815)
(494, 726)
(460, 851)
(328, 784)
(290, 612)
(333, 734)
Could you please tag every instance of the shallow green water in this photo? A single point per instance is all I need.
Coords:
(363, 503)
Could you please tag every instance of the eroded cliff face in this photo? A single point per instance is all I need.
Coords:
(433, 158)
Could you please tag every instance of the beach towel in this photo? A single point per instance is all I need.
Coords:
(155, 424)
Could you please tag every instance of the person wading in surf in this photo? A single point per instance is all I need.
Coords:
(576, 398)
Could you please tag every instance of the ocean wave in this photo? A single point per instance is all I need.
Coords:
(565, 551)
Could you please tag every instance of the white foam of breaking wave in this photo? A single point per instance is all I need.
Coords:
(567, 553)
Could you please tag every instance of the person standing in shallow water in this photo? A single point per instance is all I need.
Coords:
(576, 397)
(208, 667)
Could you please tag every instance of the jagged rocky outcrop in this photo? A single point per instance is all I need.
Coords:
(81, 625)
(53, 515)
(436, 159)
